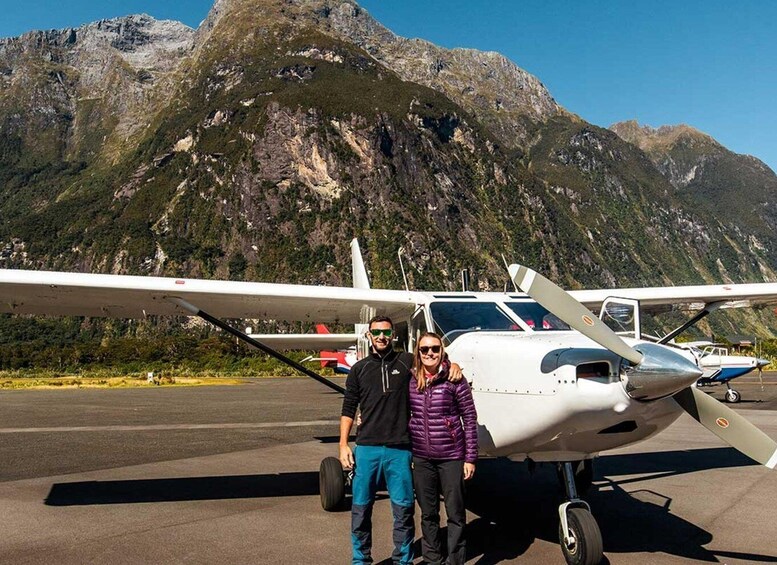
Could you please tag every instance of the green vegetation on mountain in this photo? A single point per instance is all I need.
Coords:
(258, 146)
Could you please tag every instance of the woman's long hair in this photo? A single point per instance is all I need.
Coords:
(418, 366)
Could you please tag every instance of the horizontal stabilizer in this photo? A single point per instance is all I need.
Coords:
(306, 341)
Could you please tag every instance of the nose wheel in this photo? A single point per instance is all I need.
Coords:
(732, 395)
(578, 532)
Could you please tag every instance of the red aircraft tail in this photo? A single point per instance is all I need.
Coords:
(335, 360)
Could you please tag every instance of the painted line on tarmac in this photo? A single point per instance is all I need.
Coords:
(165, 427)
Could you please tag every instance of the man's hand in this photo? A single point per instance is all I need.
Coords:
(455, 374)
(469, 471)
(346, 457)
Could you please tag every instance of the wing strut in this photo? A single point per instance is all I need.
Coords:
(706, 311)
(240, 335)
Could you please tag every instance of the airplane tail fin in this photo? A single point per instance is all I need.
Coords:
(327, 358)
(336, 360)
(360, 279)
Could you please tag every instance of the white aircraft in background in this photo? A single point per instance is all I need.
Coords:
(551, 382)
(719, 367)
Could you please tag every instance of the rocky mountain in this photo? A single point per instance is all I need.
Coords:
(739, 189)
(256, 146)
(64, 91)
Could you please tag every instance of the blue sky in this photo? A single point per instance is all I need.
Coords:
(711, 64)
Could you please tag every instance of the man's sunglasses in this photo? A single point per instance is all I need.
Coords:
(386, 332)
(424, 349)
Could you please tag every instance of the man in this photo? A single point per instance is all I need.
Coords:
(378, 386)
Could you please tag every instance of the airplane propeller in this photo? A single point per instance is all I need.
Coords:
(571, 311)
(654, 370)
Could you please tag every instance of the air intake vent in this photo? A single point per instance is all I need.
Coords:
(622, 428)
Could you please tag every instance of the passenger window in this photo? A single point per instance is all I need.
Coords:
(537, 317)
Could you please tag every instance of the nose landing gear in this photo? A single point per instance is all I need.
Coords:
(579, 535)
(732, 395)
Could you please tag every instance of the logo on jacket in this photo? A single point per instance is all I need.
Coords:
(395, 372)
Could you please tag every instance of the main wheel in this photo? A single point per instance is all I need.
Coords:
(733, 396)
(585, 547)
(331, 484)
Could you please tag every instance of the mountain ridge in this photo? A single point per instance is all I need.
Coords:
(278, 130)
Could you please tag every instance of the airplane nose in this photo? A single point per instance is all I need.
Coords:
(761, 363)
(661, 372)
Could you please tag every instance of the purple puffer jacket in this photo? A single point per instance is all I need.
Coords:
(443, 420)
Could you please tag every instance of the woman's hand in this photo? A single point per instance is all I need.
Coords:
(469, 471)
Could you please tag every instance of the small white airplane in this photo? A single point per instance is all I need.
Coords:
(719, 367)
(551, 381)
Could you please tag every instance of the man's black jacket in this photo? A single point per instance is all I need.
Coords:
(379, 387)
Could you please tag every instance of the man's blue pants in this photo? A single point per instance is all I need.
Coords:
(393, 464)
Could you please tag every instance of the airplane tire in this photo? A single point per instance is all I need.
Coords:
(587, 548)
(331, 484)
(733, 396)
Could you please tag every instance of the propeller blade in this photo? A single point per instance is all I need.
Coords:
(560, 303)
(728, 426)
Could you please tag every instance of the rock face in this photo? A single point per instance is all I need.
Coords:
(679, 152)
(92, 88)
(740, 190)
(257, 146)
(507, 99)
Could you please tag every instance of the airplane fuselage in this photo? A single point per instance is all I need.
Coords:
(541, 390)
(555, 396)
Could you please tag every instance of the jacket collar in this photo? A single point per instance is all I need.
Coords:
(442, 373)
(388, 356)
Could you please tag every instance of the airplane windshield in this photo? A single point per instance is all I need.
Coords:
(537, 317)
(453, 319)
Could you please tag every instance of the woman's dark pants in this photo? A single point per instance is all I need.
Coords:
(432, 478)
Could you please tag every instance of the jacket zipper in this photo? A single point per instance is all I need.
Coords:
(427, 402)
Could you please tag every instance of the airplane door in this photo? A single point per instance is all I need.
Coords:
(622, 316)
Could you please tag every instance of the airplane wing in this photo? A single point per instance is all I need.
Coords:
(119, 296)
(123, 296)
(662, 299)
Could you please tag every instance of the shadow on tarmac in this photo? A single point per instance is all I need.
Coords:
(514, 508)
(173, 490)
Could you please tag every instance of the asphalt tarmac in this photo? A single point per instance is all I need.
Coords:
(229, 475)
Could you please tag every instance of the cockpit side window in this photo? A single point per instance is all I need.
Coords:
(537, 317)
(416, 327)
(453, 319)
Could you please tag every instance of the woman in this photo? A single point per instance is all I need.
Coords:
(443, 434)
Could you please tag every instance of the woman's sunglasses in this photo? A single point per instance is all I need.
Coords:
(424, 349)
(386, 332)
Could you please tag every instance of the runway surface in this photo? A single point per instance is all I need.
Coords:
(229, 475)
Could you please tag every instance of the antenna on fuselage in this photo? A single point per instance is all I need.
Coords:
(507, 268)
(465, 280)
(402, 267)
